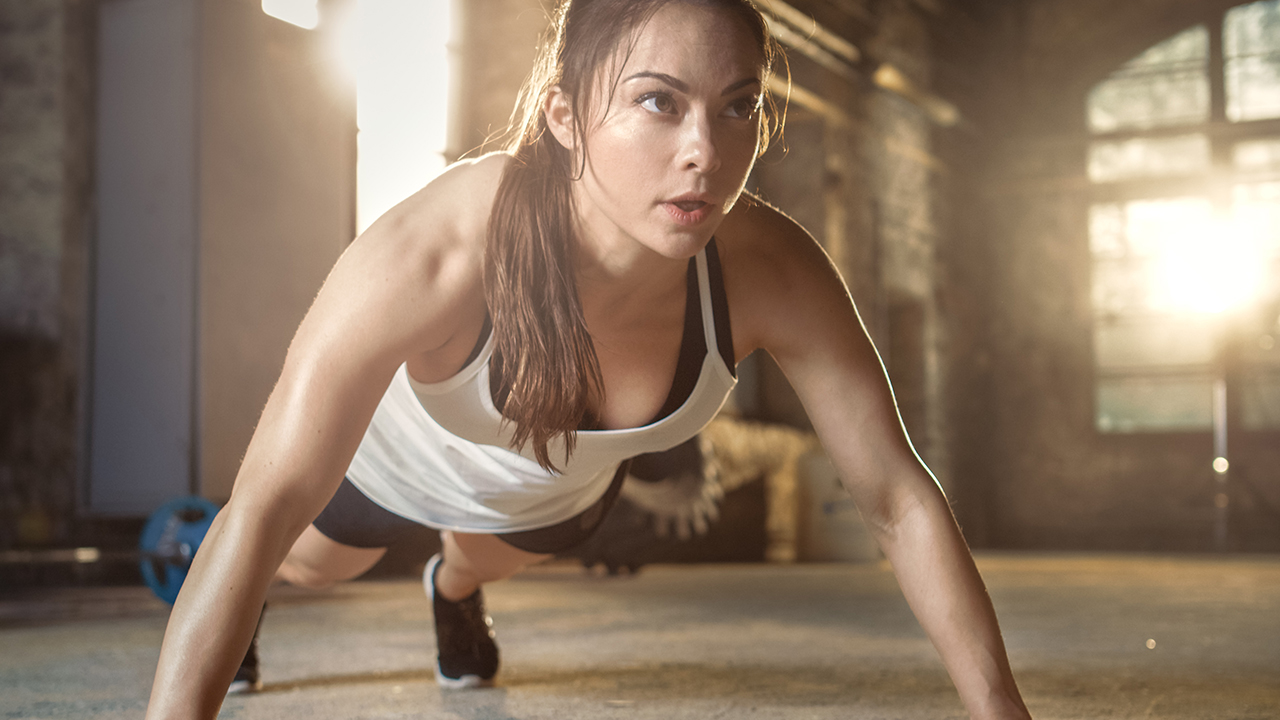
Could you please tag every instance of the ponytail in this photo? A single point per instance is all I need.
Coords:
(545, 365)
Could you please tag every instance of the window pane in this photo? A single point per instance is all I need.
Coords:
(1251, 41)
(1260, 402)
(1252, 29)
(1106, 231)
(1148, 252)
(1168, 84)
(1253, 88)
(1256, 208)
(1154, 403)
(1255, 238)
(1151, 225)
(1148, 157)
(1121, 287)
(1257, 157)
(1153, 342)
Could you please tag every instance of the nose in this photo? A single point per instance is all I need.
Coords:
(699, 149)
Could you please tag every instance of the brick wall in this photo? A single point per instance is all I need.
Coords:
(45, 135)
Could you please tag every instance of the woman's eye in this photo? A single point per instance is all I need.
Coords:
(657, 102)
(743, 107)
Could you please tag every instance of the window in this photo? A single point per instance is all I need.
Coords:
(1184, 229)
(402, 95)
(398, 54)
(1251, 35)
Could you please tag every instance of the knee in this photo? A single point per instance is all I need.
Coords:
(315, 561)
(304, 575)
(485, 558)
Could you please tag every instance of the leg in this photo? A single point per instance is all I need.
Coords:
(467, 655)
(316, 561)
(472, 560)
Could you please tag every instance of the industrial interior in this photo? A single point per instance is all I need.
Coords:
(1059, 221)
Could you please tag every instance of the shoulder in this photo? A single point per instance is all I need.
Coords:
(453, 208)
(440, 226)
(415, 275)
(780, 282)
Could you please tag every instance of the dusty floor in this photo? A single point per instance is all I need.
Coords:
(745, 641)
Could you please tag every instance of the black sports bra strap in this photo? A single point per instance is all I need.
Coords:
(720, 308)
(693, 346)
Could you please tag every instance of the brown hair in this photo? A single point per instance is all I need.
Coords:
(545, 368)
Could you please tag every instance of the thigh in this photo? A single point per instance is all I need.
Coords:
(350, 534)
(485, 558)
(315, 560)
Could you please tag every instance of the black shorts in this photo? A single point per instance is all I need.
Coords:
(353, 519)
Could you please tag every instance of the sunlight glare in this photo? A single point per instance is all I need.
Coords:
(302, 13)
(1207, 263)
(402, 93)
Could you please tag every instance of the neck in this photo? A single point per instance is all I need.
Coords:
(614, 270)
(614, 278)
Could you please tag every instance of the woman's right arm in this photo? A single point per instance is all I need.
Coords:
(407, 287)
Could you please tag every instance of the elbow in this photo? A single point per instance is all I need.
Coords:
(265, 527)
(898, 503)
(886, 514)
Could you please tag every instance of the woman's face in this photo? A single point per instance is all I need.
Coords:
(669, 153)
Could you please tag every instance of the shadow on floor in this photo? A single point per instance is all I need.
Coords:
(1102, 689)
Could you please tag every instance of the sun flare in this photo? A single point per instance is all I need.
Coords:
(1209, 263)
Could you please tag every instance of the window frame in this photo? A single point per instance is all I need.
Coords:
(1216, 184)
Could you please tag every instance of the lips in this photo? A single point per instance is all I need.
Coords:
(688, 209)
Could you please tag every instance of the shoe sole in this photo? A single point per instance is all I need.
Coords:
(243, 687)
(466, 682)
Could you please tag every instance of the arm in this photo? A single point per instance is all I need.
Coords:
(406, 288)
(798, 309)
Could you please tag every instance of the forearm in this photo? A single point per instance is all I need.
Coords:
(215, 615)
(947, 595)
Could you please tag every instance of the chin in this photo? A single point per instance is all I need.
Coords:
(682, 245)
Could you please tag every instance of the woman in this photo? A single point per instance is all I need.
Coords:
(510, 334)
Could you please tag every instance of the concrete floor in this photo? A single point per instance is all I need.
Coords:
(746, 641)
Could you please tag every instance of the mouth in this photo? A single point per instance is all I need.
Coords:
(688, 209)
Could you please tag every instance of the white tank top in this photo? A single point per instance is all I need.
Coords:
(440, 453)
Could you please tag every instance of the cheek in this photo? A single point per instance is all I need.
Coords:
(628, 156)
(744, 145)
(637, 143)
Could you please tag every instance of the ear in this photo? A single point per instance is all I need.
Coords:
(558, 111)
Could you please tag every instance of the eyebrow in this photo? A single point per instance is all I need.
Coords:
(684, 87)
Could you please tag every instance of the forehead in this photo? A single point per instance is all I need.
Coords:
(695, 44)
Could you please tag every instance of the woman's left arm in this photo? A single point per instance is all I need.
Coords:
(794, 305)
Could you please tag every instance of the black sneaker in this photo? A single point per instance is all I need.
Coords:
(248, 678)
(467, 655)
